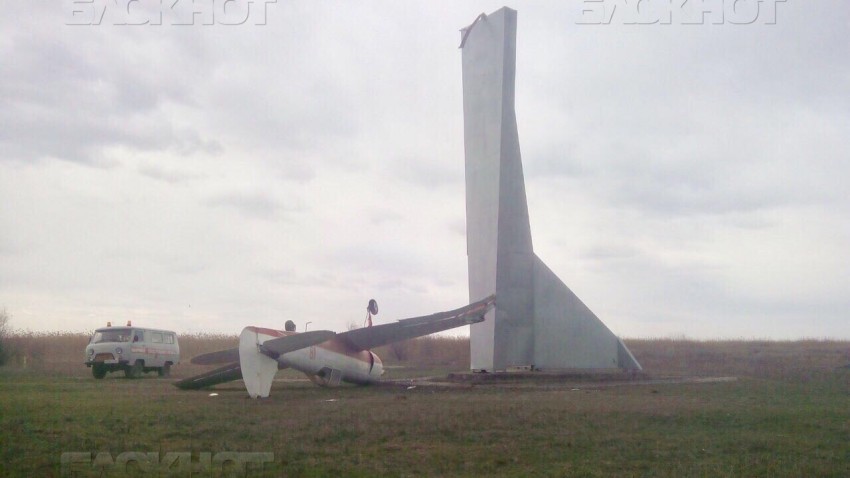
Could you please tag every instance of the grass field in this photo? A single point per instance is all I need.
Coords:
(786, 414)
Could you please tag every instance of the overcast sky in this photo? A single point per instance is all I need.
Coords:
(682, 179)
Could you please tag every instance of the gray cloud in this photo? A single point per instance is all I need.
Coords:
(426, 172)
(168, 175)
(74, 99)
(254, 204)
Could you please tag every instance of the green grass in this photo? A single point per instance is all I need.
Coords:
(788, 426)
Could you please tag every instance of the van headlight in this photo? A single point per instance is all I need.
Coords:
(119, 351)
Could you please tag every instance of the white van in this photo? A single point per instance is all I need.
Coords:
(134, 350)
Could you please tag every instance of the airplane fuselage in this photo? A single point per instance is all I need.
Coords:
(329, 362)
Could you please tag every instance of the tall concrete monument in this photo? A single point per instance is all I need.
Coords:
(538, 321)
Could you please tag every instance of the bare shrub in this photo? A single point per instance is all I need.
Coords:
(64, 352)
(201, 343)
(4, 331)
(787, 360)
(429, 350)
(401, 350)
(57, 352)
(800, 360)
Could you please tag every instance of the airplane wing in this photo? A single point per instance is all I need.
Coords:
(371, 337)
(291, 343)
(277, 346)
(227, 373)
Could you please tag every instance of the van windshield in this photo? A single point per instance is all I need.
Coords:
(115, 335)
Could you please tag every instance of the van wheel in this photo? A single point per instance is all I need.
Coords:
(135, 371)
(98, 371)
(165, 371)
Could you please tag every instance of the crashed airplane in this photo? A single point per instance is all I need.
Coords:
(326, 357)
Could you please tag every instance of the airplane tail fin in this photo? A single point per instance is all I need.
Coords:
(258, 369)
